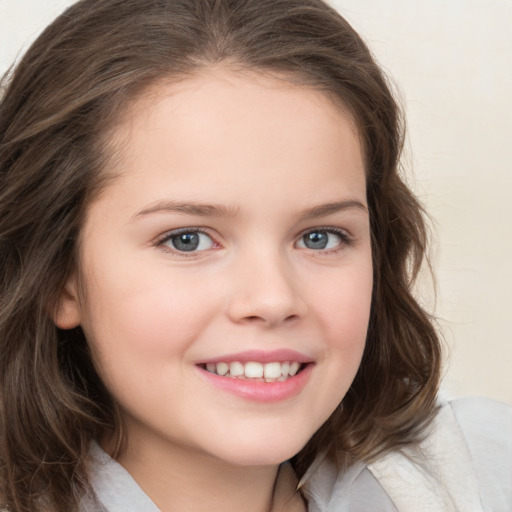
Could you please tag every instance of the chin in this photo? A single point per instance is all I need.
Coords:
(265, 453)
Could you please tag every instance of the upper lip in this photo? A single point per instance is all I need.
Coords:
(260, 356)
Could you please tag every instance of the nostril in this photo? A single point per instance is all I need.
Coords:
(270, 320)
(254, 318)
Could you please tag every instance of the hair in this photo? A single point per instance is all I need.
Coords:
(58, 106)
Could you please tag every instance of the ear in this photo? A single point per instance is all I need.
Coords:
(67, 313)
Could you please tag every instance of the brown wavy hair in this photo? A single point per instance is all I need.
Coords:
(57, 108)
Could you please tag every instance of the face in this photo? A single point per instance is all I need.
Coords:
(227, 270)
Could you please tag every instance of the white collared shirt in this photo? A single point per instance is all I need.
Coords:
(463, 465)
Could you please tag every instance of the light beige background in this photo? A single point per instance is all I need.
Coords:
(452, 61)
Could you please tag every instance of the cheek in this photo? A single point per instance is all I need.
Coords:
(144, 319)
(344, 308)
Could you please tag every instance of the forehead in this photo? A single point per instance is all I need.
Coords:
(223, 126)
(216, 86)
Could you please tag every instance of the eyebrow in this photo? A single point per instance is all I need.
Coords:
(215, 210)
(200, 209)
(323, 210)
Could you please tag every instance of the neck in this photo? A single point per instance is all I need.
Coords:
(184, 480)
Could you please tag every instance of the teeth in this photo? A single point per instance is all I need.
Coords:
(222, 368)
(236, 369)
(294, 368)
(253, 370)
(272, 370)
(269, 372)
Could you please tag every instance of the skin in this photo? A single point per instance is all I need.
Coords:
(264, 152)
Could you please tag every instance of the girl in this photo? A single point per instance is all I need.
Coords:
(207, 253)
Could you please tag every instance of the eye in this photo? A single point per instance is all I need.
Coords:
(322, 239)
(189, 240)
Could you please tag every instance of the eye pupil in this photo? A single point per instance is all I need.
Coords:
(186, 242)
(316, 240)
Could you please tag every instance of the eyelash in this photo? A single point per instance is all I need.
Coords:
(167, 237)
(345, 240)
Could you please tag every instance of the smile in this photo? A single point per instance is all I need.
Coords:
(259, 376)
(273, 371)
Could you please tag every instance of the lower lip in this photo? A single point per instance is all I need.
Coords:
(260, 391)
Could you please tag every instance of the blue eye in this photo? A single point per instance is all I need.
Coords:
(188, 241)
(321, 240)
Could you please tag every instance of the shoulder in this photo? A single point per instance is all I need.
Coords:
(484, 423)
(486, 427)
(464, 464)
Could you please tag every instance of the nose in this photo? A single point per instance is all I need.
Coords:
(265, 291)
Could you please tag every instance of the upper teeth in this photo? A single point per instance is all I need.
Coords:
(254, 370)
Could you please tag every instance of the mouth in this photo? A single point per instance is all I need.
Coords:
(259, 376)
(272, 371)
